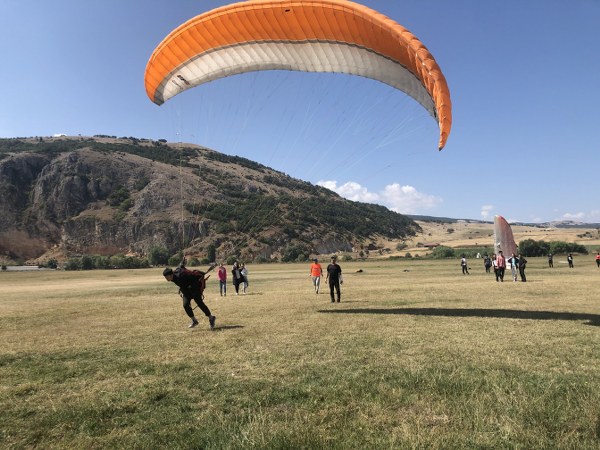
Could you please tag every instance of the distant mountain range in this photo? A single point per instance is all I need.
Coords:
(552, 224)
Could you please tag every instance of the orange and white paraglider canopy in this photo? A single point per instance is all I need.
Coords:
(304, 35)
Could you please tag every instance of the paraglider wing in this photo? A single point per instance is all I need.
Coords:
(503, 237)
(312, 36)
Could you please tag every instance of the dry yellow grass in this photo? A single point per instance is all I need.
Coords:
(416, 355)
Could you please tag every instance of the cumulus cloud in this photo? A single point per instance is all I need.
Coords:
(486, 211)
(353, 191)
(401, 199)
(407, 200)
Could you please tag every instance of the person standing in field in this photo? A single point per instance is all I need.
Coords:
(500, 266)
(191, 287)
(514, 266)
(522, 264)
(464, 265)
(487, 263)
(598, 260)
(550, 260)
(316, 271)
(222, 276)
(570, 260)
(237, 277)
(334, 277)
(244, 274)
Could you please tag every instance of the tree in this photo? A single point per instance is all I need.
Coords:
(158, 256)
(87, 263)
(291, 253)
(211, 253)
(118, 196)
(530, 247)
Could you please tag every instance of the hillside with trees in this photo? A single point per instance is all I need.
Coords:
(106, 196)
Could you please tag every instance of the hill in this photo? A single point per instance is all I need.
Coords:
(101, 195)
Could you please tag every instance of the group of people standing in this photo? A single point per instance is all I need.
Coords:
(239, 274)
(499, 263)
(333, 277)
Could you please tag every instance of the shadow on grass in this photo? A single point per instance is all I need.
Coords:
(216, 328)
(227, 327)
(593, 319)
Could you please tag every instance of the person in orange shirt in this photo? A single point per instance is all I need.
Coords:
(315, 274)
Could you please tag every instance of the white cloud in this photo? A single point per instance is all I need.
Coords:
(407, 200)
(592, 216)
(576, 216)
(355, 192)
(486, 210)
(401, 199)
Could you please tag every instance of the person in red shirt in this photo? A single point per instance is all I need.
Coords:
(222, 276)
(598, 259)
(315, 274)
(501, 266)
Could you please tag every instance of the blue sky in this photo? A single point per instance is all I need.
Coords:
(524, 78)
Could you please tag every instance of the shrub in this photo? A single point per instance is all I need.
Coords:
(118, 196)
(443, 252)
(174, 260)
(158, 256)
(292, 252)
(72, 264)
(87, 263)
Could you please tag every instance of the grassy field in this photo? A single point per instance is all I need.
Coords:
(417, 355)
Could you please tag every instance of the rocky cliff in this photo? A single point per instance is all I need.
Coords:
(101, 195)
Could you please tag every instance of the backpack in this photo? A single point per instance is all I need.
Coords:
(197, 274)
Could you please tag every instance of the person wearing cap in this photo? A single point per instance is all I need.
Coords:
(315, 273)
(189, 289)
(334, 276)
